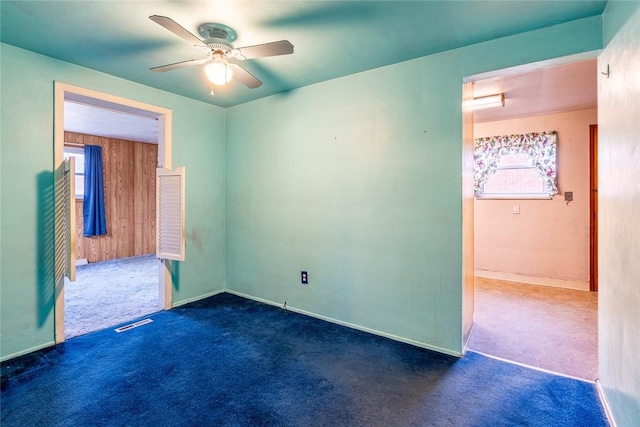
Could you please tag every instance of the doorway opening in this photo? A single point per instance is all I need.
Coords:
(134, 225)
(532, 262)
(117, 273)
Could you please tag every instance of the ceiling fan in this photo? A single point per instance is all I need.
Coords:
(218, 47)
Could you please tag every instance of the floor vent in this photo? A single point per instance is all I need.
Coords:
(132, 325)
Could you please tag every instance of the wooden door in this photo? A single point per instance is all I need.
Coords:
(593, 208)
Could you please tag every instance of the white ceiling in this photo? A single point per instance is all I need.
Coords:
(112, 122)
(541, 91)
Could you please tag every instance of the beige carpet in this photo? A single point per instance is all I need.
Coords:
(545, 327)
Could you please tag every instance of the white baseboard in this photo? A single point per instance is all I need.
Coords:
(605, 404)
(198, 298)
(27, 351)
(350, 325)
(533, 280)
(82, 261)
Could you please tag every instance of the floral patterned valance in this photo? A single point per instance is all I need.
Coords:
(540, 147)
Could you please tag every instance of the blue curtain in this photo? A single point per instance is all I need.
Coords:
(93, 210)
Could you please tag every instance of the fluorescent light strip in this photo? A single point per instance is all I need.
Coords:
(489, 101)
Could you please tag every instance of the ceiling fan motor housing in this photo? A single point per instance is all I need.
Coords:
(212, 30)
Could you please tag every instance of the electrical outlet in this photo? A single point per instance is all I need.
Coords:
(304, 278)
(516, 209)
(568, 196)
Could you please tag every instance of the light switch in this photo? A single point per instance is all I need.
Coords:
(516, 209)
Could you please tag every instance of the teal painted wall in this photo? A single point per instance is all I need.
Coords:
(619, 212)
(26, 286)
(358, 181)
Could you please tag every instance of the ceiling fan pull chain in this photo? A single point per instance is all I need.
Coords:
(211, 89)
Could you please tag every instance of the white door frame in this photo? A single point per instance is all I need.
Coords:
(164, 116)
(468, 278)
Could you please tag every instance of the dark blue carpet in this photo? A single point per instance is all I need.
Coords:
(228, 361)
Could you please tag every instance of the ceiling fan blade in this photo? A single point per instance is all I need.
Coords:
(244, 76)
(177, 29)
(182, 64)
(282, 47)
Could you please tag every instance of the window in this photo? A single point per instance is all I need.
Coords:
(78, 154)
(515, 176)
(516, 166)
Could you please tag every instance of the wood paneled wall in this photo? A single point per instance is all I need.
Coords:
(130, 199)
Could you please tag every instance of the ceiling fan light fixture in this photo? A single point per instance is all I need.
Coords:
(218, 46)
(218, 72)
(489, 101)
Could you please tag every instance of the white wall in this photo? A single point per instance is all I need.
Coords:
(548, 242)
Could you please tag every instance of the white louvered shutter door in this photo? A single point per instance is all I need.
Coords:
(170, 229)
(71, 250)
(65, 222)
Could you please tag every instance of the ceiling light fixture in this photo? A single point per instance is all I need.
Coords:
(218, 72)
(489, 101)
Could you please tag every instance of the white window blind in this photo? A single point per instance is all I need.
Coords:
(170, 232)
